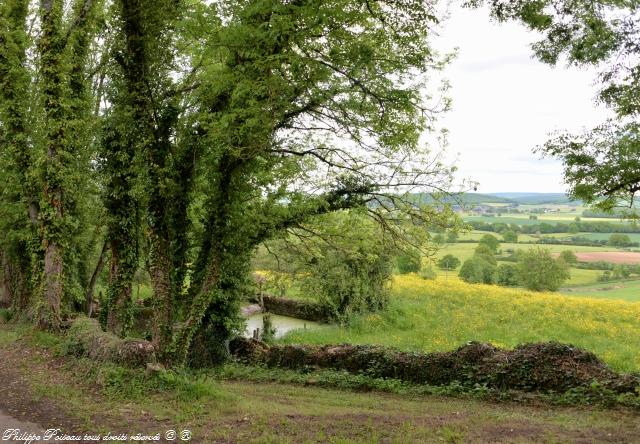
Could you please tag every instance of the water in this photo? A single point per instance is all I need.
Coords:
(282, 324)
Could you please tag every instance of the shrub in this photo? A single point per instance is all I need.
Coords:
(428, 273)
(449, 262)
(537, 270)
(490, 241)
(619, 240)
(506, 275)
(408, 263)
(485, 253)
(569, 257)
(510, 236)
(5, 315)
(477, 271)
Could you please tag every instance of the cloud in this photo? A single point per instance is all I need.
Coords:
(505, 104)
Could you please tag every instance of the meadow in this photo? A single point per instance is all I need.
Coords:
(523, 218)
(626, 290)
(440, 315)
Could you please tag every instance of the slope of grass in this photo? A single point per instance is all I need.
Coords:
(621, 290)
(441, 315)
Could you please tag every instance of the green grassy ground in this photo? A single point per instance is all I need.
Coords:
(551, 218)
(441, 315)
(622, 290)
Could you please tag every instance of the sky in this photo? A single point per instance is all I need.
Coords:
(505, 103)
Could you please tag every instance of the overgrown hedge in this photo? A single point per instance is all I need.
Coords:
(539, 367)
(86, 338)
(310, 311)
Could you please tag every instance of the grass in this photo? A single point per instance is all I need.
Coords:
(621, 290)
(551, 218)
(442, 315)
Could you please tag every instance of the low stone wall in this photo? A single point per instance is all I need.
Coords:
(295, 308)
(540, 367)
(86, 338)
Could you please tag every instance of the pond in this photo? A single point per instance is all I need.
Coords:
(282, 324)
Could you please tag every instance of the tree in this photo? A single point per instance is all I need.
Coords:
(183, 135)
(569, 257)
(449, 262)
(477, 270)
(347, 267)
(490, 241)
(620, 271)
(618, 240)
(486, 253)
(573, 228)
(46, 119)
(409, 262)
(510, 236)
(506, 275)
(537, 270)
(438, 239)
(452, 237)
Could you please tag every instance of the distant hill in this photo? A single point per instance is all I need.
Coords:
(465, 198)
(537, 198)
(503, 198)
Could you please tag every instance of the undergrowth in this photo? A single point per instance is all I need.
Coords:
(594, 395)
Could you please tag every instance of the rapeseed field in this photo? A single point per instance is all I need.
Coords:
(439, 315)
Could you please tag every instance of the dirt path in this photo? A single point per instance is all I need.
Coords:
(10, 423)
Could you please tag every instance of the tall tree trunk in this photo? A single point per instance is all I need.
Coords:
(94, 279)
(163, 297)
(15, 84)
(51, 49)
(118, 312)
(6, 296)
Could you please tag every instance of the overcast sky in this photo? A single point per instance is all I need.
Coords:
(505, 103)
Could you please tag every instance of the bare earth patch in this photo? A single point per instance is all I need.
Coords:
(615, 257)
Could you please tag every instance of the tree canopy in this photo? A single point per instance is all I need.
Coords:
(177, 137)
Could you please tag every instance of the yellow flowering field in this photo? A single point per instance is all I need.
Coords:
(443, 314)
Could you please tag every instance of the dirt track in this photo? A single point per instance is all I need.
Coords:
(8, 423)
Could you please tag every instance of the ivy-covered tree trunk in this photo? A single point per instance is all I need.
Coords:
(18, 154)
(51, 50)
(62, 51)
(130, 136)
(6, 296)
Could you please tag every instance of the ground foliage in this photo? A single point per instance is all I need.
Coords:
(541, 367)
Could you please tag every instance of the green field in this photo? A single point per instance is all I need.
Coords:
(464, 251)
(622, 290)
(442, 315)
(523, 219)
